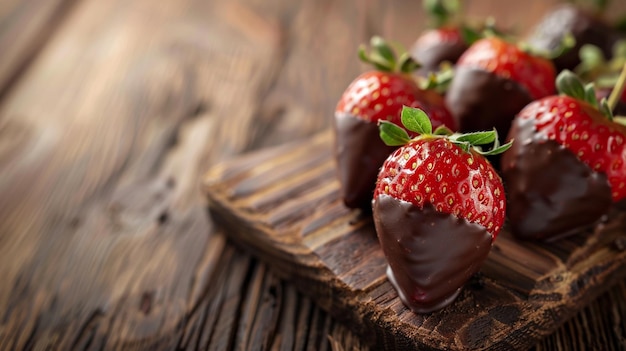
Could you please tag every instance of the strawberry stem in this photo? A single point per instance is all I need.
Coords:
(618, 89)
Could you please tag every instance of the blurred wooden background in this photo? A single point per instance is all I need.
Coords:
(111, 111)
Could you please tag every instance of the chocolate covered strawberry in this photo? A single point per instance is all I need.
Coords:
(438, 205)
(444, 41)
(584, 25)
(374, 96)
(438, 45)
(494, 80)
(568, 164)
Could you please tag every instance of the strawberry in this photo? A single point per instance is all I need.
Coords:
(446, 39)
(493, 80)
(374, 96)
(438, 45)
(568, 165)
(438, 206)
(585, 26)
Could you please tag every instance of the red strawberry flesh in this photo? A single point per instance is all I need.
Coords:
(378, 95)
(375, 96)
(434, 171)
(550, 192)
(436, 46)
(535, 74)
(581, 128)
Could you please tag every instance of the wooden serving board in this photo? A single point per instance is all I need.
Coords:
(282, 204)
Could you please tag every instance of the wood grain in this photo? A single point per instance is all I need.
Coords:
(111, 110)
(105, 242)
(25, 28)
(283, 206)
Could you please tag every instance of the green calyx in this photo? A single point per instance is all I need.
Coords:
(568, 83)
(487, 29)
(595, 67)
(440, 80)
(442, 11)
(416, 120)
(610, 74)
(384, 57)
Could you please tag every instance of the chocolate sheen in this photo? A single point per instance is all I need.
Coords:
(584, 27)
(359, 152)
(551, 193)
(430, 254)
(480, 100)
(431, 56)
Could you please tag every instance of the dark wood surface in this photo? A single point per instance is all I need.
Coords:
(283, 205)
(111, 111)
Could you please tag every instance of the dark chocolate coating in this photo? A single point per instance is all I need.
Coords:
(585, 28)
(480, 100)
(359, 152)
(551, 193)
(431, 56)
(430, 254)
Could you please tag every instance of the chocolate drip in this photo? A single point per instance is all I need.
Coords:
(551, 193)
(584, 27)
(480, 100)
(430, 254)
(359, 152)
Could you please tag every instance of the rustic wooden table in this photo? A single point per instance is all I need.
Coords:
(111, 111)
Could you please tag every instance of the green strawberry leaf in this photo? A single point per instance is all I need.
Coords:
(497, 149)
(416, 120)
(392, 134)
(567, 43)
(469, 35)
(439, 80)
(590, 95)
(441, 11)
(569, 84)
(606, 109)
(375, 60)
(381, 49)
(443, 130)
(465, 146)
(592, 62)
(407, 64)
(478, 138)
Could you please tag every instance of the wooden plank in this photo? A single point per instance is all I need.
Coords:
(525, 292)
(25, 26)
(105, 239)
(105, 243)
